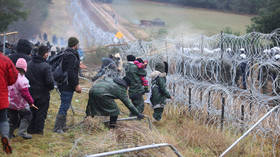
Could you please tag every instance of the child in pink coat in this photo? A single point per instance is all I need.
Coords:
(142, 65)
(20, 102)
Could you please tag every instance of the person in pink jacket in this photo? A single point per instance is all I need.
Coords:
(20, 102)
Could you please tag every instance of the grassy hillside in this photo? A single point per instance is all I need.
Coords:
(189, 136)
(59, 20)
(181, 20)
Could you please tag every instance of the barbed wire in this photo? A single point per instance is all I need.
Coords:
(244, 70)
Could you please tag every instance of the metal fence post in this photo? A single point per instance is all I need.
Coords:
(223, 113)
(190, 99)
(242, 118)
(208, 105)
(201, 96)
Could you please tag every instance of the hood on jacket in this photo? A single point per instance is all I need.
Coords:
(160, 67)
(24, 46)
(156, 74)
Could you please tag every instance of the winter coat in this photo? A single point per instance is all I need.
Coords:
(70, 64)
(101, 98)
(159, 91)
(133, 74)
(15, 56)
(40, 76)
(19, 95)
(8, 76)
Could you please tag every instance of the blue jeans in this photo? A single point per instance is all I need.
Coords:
(66, 98)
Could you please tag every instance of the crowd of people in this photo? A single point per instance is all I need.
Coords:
(28, 76)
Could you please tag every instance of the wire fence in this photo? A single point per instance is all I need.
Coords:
(224, 80)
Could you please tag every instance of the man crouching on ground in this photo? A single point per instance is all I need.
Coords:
(101, 99)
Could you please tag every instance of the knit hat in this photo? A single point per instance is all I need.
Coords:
(24, 46)
(72, 41)
(21, 63)
(160, 67)
(130, 58)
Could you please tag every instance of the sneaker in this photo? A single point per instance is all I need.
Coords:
(6, 146)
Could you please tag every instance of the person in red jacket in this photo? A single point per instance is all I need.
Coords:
(8, 76)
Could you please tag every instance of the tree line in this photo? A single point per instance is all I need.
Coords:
(24, 16)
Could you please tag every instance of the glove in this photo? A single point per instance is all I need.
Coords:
(140, 116)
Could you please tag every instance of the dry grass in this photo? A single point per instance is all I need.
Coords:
(194, 139)
(91, 136)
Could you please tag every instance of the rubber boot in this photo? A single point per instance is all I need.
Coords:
(60, 124)
(11, 132)
(158, 113)
(113, 122)
(4, 131)
(64, 127)
(22, 130)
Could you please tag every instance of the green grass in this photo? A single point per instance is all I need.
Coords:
(181, 20)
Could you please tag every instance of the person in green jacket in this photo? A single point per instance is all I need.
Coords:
(159, 91)
(136, 88)
(101, 99)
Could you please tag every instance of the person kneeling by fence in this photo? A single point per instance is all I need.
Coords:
(101, 99)
(159, 92)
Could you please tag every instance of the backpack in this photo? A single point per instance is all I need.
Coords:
(55, 62)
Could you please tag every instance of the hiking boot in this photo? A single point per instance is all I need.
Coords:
(6, 145)
(4, 131)
(22, 130)
(60, 124)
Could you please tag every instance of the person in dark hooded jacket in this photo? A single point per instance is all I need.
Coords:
(24, 48)
(41, 83)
